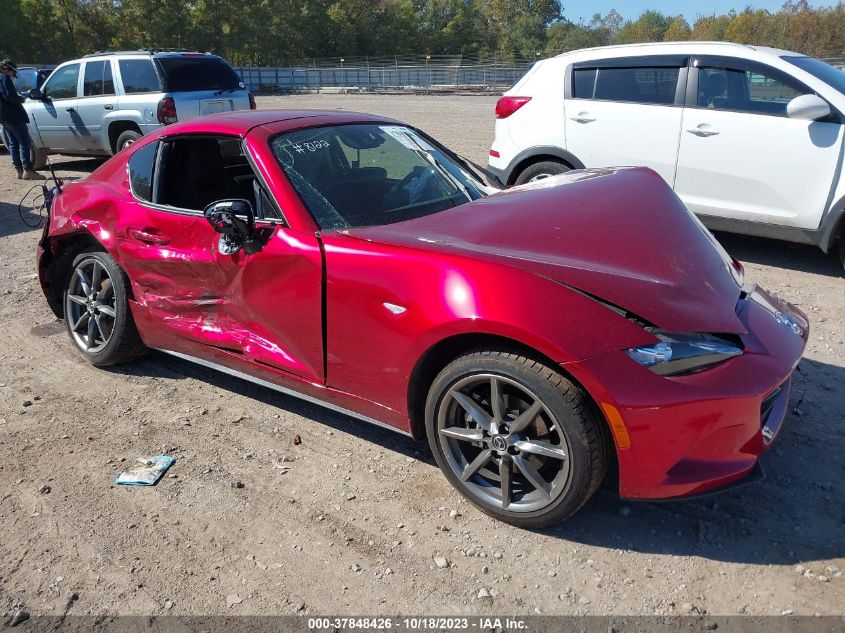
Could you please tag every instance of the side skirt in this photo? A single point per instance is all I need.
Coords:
(284, 390)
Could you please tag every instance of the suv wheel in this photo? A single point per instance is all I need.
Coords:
(97, 312)
(38, 158)
(541, 170)
(515, 437)
(126, 139)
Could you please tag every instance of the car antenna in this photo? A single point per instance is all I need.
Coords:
(54, 177)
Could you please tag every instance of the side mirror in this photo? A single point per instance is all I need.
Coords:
(808, 108)
(225, 217)
(36, 95)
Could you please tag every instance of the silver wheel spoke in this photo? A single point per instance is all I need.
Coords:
(475, 465)
(478, 415)
(95, 278)
(496, 399)
(91, 327)
(100, 327)
(465, 435)
(507, 482)
(526, 418)
(107, 310)
(78, 300)
(86, 287)
(541, 448)
(80, 322)
(533, 477)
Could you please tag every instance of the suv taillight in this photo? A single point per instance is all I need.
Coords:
(167, 111)
(252, 105)
(506, 106)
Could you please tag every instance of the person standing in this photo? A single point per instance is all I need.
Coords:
(14, 120)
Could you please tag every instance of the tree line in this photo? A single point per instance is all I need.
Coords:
(280, 32)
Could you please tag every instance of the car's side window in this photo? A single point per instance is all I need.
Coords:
(98, 79)
(753, 91)
(141, 165)
(195, 171)
(138, 76)
(641, 84)
(63, 83)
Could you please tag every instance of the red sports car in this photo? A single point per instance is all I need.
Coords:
(536, 336)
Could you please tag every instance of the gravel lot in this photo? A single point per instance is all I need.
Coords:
(355, 520)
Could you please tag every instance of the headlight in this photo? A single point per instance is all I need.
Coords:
(683, 353)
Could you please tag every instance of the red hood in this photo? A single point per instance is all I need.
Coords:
(621, 235)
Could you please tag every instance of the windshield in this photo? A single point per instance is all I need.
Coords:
(369, 174)
(193, 74)
(831, 75)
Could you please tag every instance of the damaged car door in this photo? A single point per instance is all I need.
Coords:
(246, 305)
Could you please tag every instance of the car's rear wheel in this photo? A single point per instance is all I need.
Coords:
(97, 312)
(126, 139)
(515, 437)
(539, 171)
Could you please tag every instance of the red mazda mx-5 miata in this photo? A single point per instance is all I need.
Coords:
(535, 336)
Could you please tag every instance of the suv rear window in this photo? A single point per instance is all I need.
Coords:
(656, 85)
(192, 74)
(139, 75)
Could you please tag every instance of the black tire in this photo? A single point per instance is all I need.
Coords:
(840, 247)
(38, 157)
(540, 170)
(126, 139)
(101, 339)
(566, 418)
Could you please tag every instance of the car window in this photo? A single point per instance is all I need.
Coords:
(141, 165)
(651, 85)
(62, 85)
(745, 91)
(26, 80)
(191, 74)
(138, 75)
(369, 174)
(198, 170)
(98, 79)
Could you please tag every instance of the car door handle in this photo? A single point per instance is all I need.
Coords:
(583, 117)
(70, 109)
(108, 106)
(148, 237)
(703, 131)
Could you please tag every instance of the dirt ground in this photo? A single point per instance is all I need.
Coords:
(353, 523)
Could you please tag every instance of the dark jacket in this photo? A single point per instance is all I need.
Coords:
(11, 108)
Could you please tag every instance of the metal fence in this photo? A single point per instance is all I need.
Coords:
(409, 73)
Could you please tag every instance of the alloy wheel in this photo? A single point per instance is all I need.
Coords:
(503, 443)
(90, 306)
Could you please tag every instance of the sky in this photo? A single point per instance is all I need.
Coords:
(576, 10)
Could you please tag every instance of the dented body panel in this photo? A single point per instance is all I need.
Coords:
(573, 270)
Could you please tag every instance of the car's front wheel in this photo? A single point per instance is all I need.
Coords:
(540, 171)
(515, 437)
(97, 312)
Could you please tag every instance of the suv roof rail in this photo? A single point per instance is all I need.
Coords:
(151, 51)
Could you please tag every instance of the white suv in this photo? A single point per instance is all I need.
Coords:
(750, 138)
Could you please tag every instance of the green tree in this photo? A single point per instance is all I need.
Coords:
(650, 27)
(678, 31)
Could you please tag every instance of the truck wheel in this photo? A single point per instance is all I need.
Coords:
(38, 157)
(126, 139)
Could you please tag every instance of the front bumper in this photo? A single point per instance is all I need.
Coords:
(694, 433)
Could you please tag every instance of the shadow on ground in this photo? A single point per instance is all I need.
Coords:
(759, 250)
(14, 219)
(792, 516)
